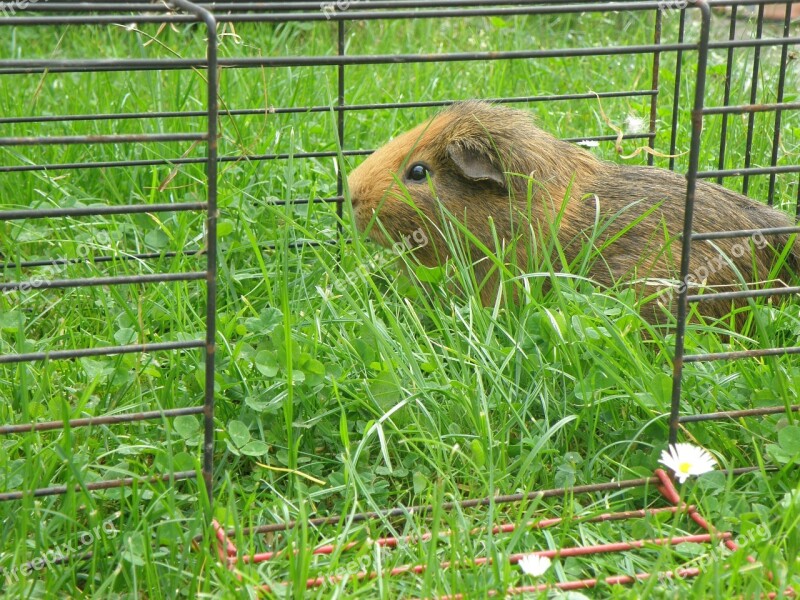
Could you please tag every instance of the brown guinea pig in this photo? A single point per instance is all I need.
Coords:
(504, 179)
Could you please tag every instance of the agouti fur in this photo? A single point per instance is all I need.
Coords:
(478, 161)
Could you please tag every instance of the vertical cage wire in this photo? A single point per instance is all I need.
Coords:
(694, 174)
(276, 12)
(190, 12)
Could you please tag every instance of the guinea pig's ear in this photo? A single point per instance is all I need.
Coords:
(475, 163)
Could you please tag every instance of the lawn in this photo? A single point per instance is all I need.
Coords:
(341, 385)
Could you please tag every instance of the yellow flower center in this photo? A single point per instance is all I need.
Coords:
(684, 467)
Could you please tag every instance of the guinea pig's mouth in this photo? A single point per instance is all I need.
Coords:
(366, 219)
(368, 216)
(360, 215)
(367, 224)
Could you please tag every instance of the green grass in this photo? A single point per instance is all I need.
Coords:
(341, 385)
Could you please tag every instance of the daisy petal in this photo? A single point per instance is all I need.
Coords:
(534, 564)
(687, 460)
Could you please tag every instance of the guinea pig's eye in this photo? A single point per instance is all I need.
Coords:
(418, 172)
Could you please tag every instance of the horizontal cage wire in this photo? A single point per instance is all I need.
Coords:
(703, 75)
(25, 280)
(231, 556)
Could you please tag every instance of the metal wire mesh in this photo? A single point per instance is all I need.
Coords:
(699, 112)
(675, 49)
(21, 276)
(232, 557)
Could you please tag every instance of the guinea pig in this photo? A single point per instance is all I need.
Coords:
(493, 170)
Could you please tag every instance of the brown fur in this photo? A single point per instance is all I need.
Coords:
(482, 159)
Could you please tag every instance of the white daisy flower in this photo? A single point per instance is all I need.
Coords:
(588, 143)
(534, 564)
(687, 460)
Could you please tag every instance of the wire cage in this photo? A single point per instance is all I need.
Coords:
(85, 247)
(56, 237)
